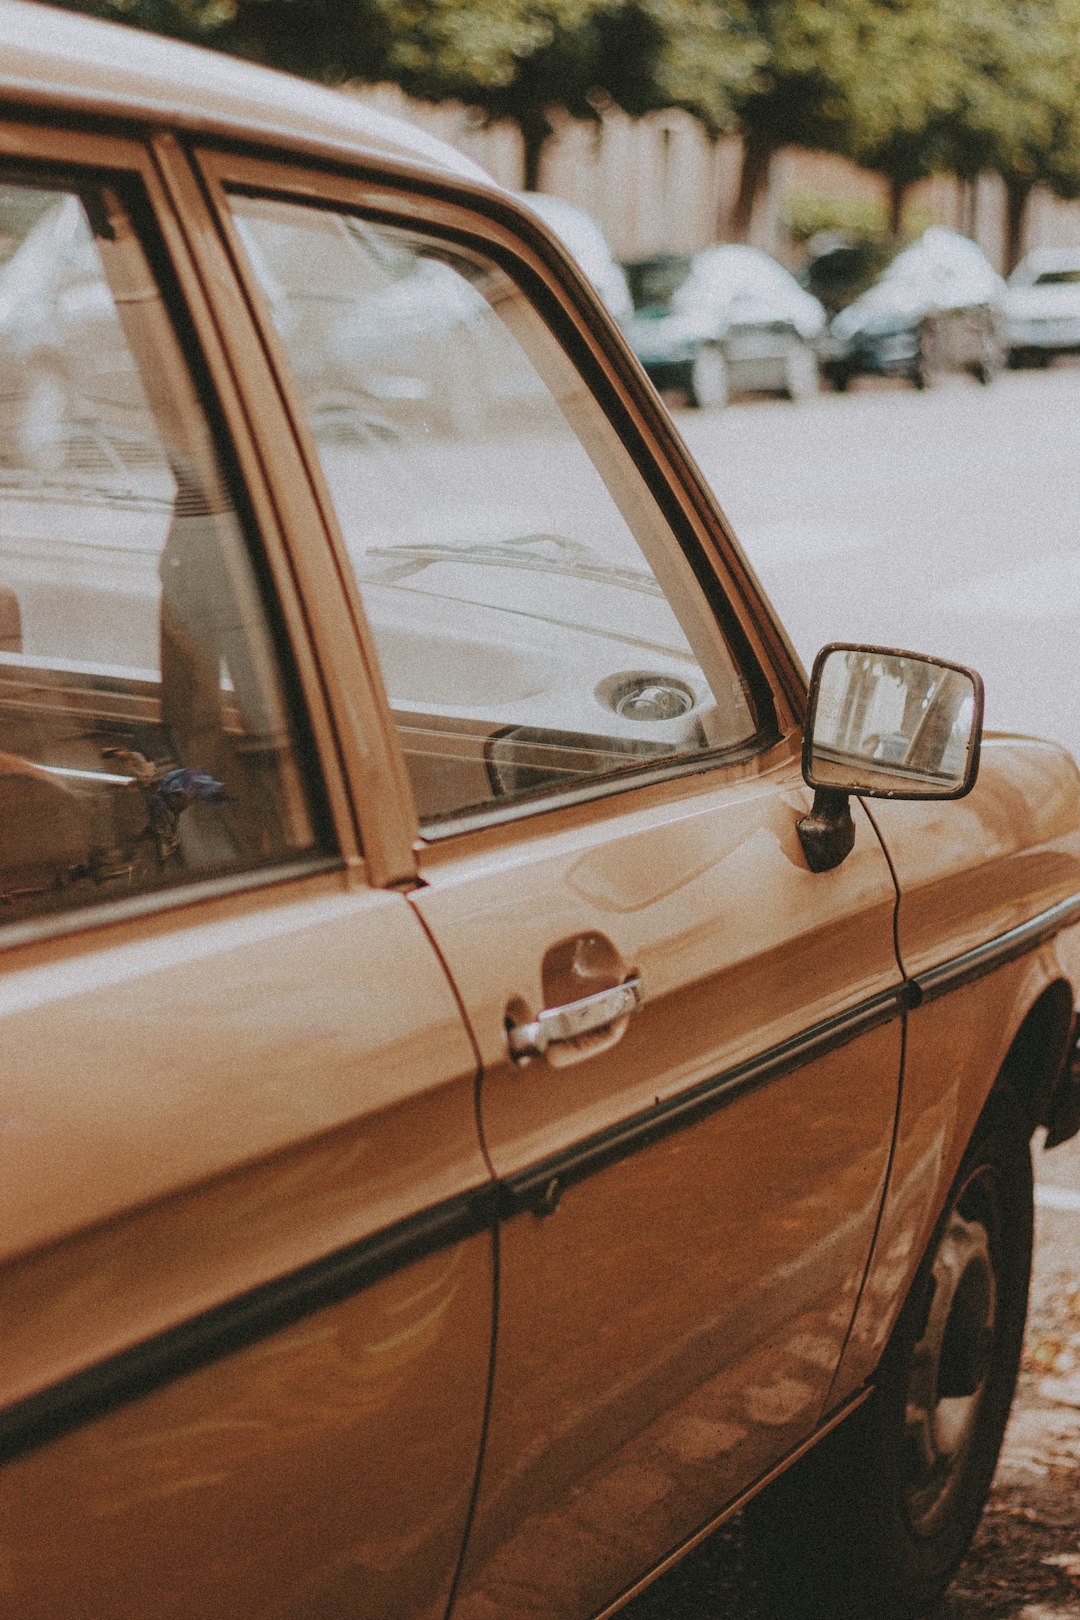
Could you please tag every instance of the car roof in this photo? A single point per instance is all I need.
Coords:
(55, 59)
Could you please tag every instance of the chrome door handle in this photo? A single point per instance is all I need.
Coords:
(558, 1025)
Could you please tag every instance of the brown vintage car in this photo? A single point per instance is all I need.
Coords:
(497, 1070)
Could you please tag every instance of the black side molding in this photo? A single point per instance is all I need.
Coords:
(228, 1327)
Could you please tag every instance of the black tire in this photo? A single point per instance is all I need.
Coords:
(991, 359)
(875, 1520)
(929, 365)
(1028, 359)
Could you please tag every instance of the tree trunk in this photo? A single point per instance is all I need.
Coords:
(535, 130)
(898, 190)
(1017, 193)
(757, 155)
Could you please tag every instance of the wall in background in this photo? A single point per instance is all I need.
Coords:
(658, 184)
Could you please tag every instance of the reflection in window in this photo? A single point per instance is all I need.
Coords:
(908, 714)
(536, 625)
(144, 738)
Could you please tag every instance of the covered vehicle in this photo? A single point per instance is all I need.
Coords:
(936, 308)
(723, 321)
(484, 1097)
(584, 239)
(1042, 307)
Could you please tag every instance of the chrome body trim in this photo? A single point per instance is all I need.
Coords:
(994, 953)
(138, 1371)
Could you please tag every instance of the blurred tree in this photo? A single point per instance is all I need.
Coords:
(509, 59)
(906, 87)
(520, 60)
(523, 60)
(1018, 100)
(331, 40)
(810, 61)
(901, 105)
(969, 86)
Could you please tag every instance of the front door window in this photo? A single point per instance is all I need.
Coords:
(538, 631)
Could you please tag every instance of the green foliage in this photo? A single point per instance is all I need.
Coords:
(911, 88)
(706, 55)
(809, 213)
(810, 61)
(1018, 110)
(522, 59)
(816, 68)
(906, 87)
(331, 40)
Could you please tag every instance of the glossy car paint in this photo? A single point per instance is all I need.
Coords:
(1008, 856)
(262, 1100)
(209, 1165)
(660, 1388)
(252, 1093)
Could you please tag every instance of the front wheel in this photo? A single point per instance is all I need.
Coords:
(875, 1520)
(709, 383)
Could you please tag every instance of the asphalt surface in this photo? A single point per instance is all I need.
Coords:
(945, 521)
(948, 522)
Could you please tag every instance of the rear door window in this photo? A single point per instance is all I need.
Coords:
(145, 734)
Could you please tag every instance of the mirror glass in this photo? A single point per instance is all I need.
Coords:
(892, 724)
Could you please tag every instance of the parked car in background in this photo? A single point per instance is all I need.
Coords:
(723, 321)
(70, 407)
(840, 266)
(483, 1098)
(583, 237)
(1042, 307)
(936, 308)
(62, 396)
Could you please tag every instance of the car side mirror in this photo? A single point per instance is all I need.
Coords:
(887, 725)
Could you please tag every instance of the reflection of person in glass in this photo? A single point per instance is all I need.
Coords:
(218, 706)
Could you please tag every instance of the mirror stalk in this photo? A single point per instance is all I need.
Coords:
(827, 834)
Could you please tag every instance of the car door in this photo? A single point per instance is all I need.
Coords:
(690, 1042)
(245, 1248)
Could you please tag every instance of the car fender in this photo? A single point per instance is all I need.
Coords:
(988, 932)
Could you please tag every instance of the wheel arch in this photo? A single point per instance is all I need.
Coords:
(1038, 1052)
(1024, 1063)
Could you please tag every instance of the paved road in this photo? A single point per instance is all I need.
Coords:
(947, 521)
(950, 522)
